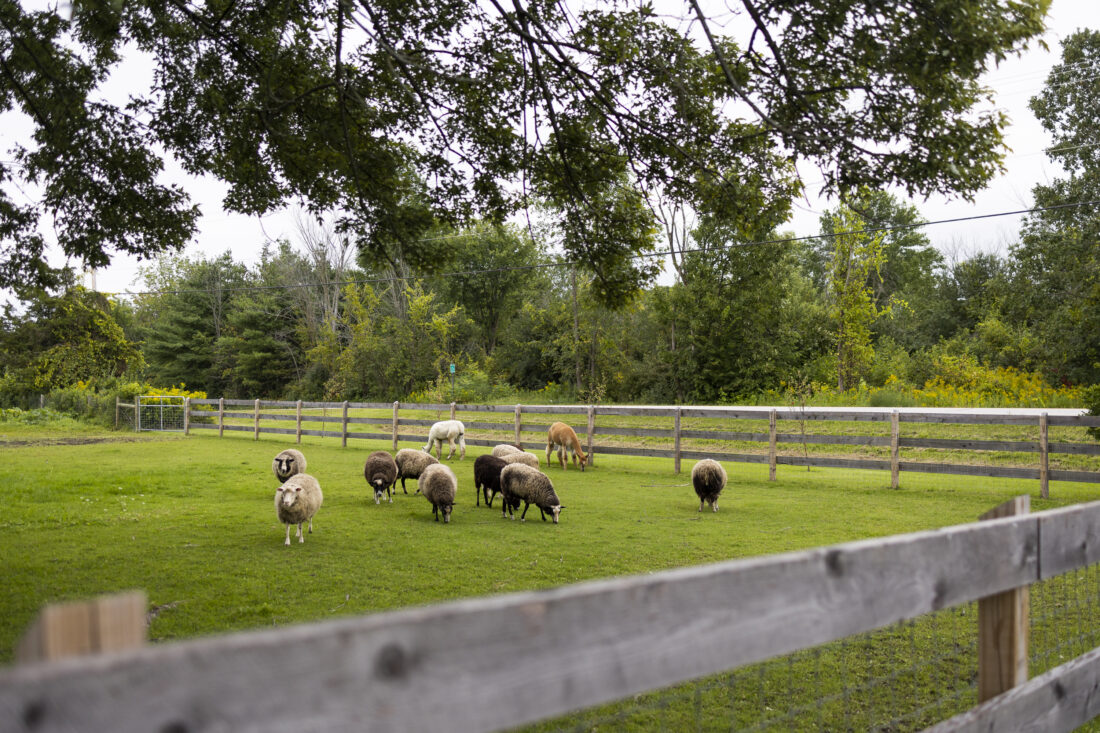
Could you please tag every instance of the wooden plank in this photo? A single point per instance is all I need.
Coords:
(1003, 623)
(517, 423)
(651, 452)
(1069, 538)
(634, 411)
(221, 416)
(950, 468)
(1080, 421)
(298, 421)
(1018, 446)
(967, 419)
(186, 415)
(1058, 701)
(344, 427)
(204, 426)
(373, 436)
(526, 656)
(591, 429)
(110, 623)
(730, 457)
(256, 434)
(825, 462)
(1085, 476)
(1082, 449)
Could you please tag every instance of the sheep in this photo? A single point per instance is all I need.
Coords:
(562, 437)
(505, 449)
(527, 459)
(410, 464)
(296, 501)
(450, 431)
(438, 484)
(487, 477)
(380, 472)
(287, 463)
(523, 483)
(709, 478)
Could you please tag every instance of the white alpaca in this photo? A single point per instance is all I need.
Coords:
(450, 431)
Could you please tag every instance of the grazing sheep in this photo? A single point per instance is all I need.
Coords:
(487, 477)
(439, 485)
(523, 483)
(380, 472)
(287, 463)
(296, 501)
(527, 459)
(709, 478)
(450, 431)
(562, 437)
(410, 464)
(504, 449)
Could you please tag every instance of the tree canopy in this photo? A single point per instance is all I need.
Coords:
(406, 113)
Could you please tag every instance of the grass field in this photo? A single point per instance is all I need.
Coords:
(191, 521)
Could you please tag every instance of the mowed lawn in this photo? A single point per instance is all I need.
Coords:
(191, 521)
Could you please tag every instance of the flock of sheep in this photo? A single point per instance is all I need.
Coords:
(509, 471)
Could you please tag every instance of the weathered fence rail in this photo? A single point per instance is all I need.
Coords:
(496, 662)
(519, 430)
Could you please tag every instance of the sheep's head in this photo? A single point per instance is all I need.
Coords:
(445, 510)
(555, 511)
(379, 490)
(289, 494)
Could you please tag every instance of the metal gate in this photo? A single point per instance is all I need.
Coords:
(160, 413)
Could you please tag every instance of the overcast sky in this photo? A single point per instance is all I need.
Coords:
(1014, 82)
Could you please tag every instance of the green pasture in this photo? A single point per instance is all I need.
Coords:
(191, 521)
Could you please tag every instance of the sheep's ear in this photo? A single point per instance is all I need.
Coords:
(560, 508)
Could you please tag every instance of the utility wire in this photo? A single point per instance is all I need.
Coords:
(573, 263)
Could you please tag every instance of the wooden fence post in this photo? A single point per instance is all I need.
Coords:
(518, 438)
(116, 411)
(396, 407)
(676, 440)
(344, 428)
(452, 411)
(221, 416)
(106, 624)
(1003, 625)
(256, 422)
(771, 446)
(137, 414)
(591, 430)
(298, 421)
(1044, 456)
(895, 439)
(186, 415)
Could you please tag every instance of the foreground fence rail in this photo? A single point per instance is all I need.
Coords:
(224, 415)
(497, 662)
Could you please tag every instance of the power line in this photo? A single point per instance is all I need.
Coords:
(573, 263)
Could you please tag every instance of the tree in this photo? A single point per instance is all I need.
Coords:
(857, 255)
(63, 339)
(404, 114)
(1056, 265)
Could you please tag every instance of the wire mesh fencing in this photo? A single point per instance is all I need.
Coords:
(904, 677)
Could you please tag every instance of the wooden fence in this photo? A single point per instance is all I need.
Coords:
(590, 430)
(496, 662)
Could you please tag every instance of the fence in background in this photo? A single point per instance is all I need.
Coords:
(227, 418)
(497, 662)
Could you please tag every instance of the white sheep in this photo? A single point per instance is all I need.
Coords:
(505, 449)
(287, 463)
(527, 459)
(450, 431)
(296, 501)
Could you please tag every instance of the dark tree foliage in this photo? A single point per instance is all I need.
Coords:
(1057, 262)
(404, 113)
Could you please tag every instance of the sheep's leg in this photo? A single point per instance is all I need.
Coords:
(701, 502)
(526, 506)
(287, 543)
(714, 505)
(311, 525)
(301, 537)
(403, 487)
(542, 514)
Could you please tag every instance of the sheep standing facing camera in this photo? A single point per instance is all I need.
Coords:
(439, 485)
(296, 501)
(287, 463)
(531, 486)
(380, 472)
(410, 464)
(709, 478)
